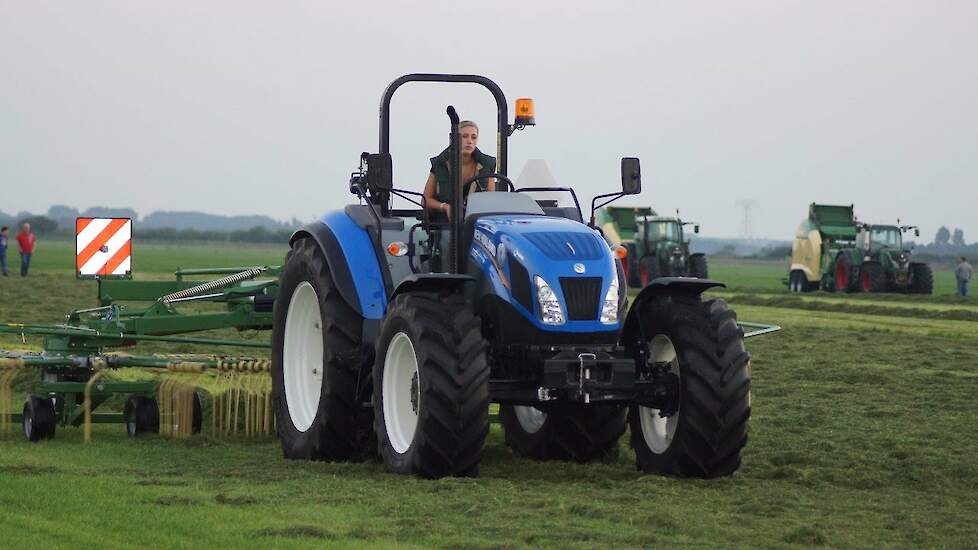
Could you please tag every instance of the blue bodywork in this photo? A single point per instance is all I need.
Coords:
(358, 251)
(546, 246)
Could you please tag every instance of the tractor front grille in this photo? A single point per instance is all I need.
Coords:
(582, 295)
(567, 246)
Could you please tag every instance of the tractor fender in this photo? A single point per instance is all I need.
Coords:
(349, 253)
(432, 282)
(663, 286)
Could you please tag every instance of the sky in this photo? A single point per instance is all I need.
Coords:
(264, 107)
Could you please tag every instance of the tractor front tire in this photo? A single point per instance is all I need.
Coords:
(581, 433)
(632, 274)
(846, 276)
(648, 269)
(698, 267)
(316, 359)
(431, 386)
(701, 343)
(921, 279)
(38, 421)
(871, 277)
(142, 416)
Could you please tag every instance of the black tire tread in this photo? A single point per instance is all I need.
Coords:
(454, 420)
(341, 430)
(580, 433)
(44, 420)
(698, 267)
(877, 278)
(715, 405)
(921, 279)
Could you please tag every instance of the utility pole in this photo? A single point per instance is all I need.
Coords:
(746, 205)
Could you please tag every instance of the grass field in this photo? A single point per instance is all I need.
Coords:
(863, 434)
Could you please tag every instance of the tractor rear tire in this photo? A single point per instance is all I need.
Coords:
(846, 279)
(698, 267)
(632, 273)
(38, 420)
(581, 433)
(648, 270)
(142, 416)
(921, 279)
(431, 386)
(703, 345)
(871, 277)
(316, 360)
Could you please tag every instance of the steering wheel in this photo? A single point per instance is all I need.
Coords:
(481, 185)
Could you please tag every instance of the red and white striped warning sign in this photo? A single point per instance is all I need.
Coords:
(103, 247)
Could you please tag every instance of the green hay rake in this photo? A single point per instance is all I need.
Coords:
(78, 373)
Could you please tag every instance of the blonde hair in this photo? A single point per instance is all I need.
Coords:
(466, 123)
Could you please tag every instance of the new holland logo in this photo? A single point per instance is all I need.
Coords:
(578, 268)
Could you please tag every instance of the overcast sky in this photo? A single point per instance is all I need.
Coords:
(263, 108)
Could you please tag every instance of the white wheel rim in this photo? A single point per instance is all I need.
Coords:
(28, 426)
(657, 431)
(401, 392)
(531, 419)
(302, 357)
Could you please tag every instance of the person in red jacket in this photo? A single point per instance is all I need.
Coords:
(26, 241)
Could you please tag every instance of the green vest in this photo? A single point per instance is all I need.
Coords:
(439, 167)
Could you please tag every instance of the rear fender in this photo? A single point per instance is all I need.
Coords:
(663, 286)
(349, 252)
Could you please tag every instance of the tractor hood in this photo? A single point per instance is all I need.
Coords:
(571, 258)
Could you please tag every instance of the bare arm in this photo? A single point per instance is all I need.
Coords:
(430, 201)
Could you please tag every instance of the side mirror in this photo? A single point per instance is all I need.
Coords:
(916, 232)
(380, 171)
(696, 229)
(631, 176)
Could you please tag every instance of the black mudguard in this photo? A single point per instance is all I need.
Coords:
(663, 286)
(327, 242)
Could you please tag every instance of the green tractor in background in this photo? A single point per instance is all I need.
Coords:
(655, 245)
(882, 263)
(834, 252)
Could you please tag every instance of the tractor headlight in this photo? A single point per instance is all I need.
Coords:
(550, 311)
(609, 308)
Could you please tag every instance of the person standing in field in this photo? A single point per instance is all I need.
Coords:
(963, 274)
(3, 250)
(26, 241)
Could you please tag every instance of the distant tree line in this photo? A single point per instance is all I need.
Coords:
(161, 226)
(947, 245)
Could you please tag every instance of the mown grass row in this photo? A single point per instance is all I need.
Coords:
(862, 435)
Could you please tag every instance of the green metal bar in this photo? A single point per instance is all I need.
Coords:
(101, 388)
(173, 324)
(39, 361)
(107, 338)
(180, 272)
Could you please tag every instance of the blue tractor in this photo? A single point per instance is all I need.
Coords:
(373, 353)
